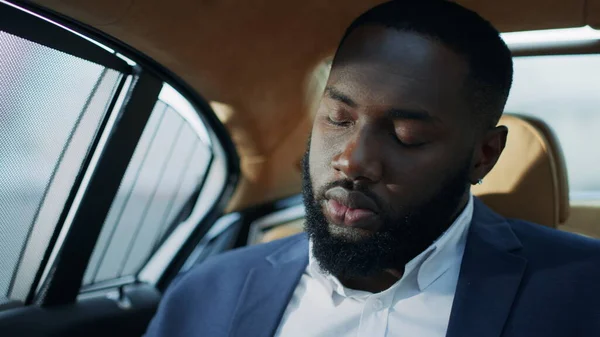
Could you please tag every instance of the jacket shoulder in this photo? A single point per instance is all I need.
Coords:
(550, 241)
(204, 298)
(237, 262)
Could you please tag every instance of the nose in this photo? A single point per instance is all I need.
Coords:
(359, 159)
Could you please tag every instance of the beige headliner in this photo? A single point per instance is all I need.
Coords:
(256, 58)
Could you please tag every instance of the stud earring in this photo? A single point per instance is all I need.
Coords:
(480, 181)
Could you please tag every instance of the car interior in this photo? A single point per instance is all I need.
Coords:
(139, 138)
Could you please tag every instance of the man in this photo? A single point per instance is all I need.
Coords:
(396, 244)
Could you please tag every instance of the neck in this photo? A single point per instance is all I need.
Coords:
(375, 283)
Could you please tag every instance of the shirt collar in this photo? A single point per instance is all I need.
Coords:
(447, 250)
(432, 263)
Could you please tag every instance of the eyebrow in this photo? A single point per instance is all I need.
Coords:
(407, 114)
(419, 115)
(339, 96)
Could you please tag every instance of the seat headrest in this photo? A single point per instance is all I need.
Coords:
(529, 180)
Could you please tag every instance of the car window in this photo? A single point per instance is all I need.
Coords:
(103, 162)
(164, 175)
(43, 141)
(563, 92)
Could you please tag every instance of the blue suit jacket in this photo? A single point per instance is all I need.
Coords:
(516, 279)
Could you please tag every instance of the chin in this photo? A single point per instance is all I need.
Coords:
(349, 234)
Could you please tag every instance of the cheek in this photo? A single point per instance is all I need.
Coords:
(319, 159)
(415, 175)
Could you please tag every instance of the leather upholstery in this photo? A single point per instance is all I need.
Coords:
(282, 231)
(529, 181)
(584, 218)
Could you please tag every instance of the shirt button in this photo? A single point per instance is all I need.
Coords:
(377, 304)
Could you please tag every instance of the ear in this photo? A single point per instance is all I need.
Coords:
(487, 152)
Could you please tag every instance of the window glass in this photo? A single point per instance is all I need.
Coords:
(51, 104)
(164, 174)
(563, 91)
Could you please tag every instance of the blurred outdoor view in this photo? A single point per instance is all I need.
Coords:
(564, 91)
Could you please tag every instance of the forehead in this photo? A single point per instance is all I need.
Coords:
(378, 65)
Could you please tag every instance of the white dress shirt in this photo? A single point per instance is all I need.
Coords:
(418, 304)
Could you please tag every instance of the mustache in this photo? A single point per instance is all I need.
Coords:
(349, 185)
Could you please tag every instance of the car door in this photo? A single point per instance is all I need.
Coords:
(111, 172)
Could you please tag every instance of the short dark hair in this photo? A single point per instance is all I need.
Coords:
(462, 31)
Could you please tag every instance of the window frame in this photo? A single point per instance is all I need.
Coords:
(58, 279)
(87, 218)
(28, 25)
(18, 20)
(556, 48)
(188, 116)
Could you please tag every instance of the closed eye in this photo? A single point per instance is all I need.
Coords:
(406, 144)
(338, 123)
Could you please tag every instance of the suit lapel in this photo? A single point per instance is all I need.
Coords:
(268, 289)
(490, 276)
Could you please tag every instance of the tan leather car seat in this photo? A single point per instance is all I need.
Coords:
(284, 230)
(529, 181)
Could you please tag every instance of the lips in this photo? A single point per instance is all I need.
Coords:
(350, 208)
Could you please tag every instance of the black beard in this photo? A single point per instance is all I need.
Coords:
(401, 238)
